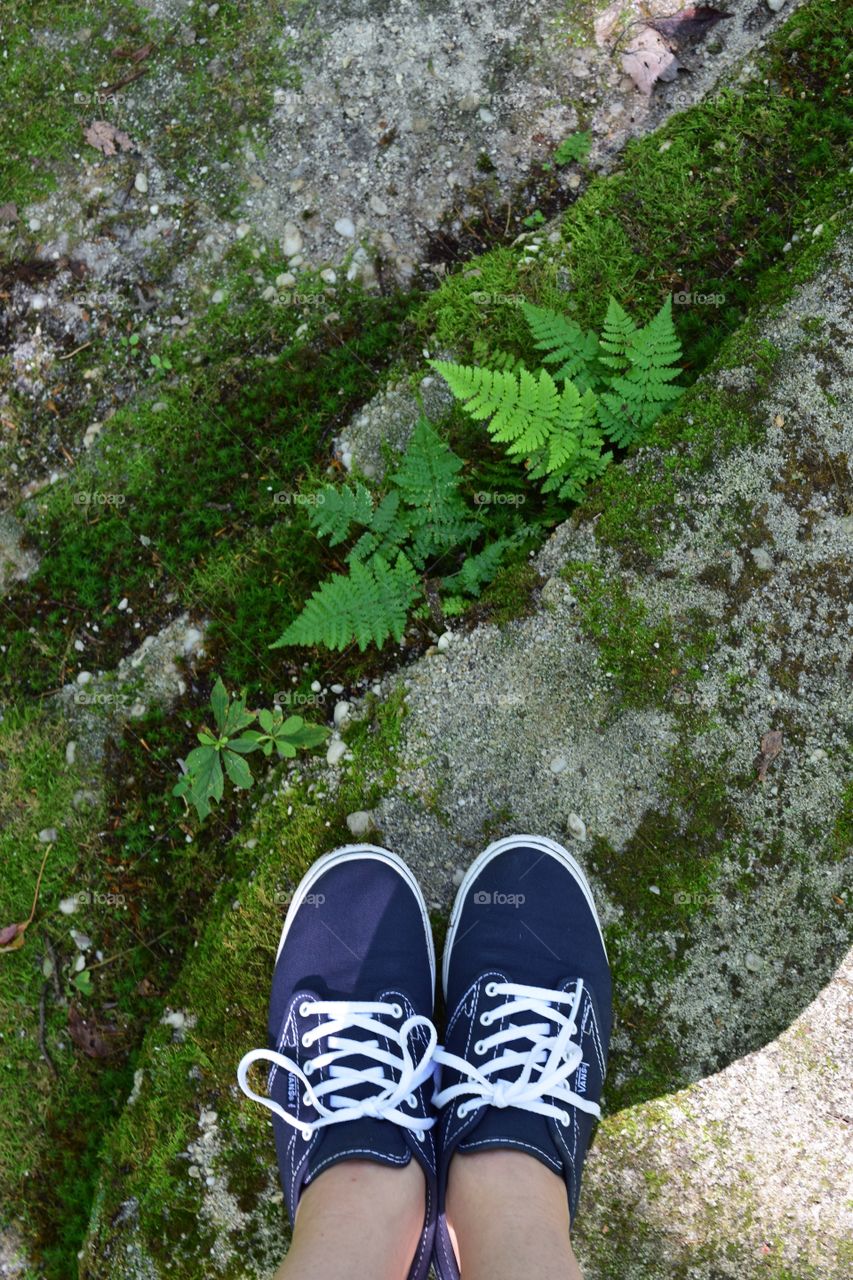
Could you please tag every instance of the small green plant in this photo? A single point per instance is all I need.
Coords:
(574, 148)
(223, 751)
(534, 219)
(161, 364)
(608, 388)
(400, 547)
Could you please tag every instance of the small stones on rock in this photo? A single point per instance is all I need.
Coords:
(345, 227)
(286, 280)
(291, 241)
(336, 751)
(576, 826)
(444, 641)
(140, 182)
(341, 714)
(360, 822)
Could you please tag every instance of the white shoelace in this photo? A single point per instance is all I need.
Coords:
(552, 1054)
(391, 1094)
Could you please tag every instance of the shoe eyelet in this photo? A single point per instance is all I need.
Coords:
(491, 988)
(480, 1048)
(396, 1011)
(306, 1101)
(308, 1067)
(485, 1020)
(461, 1112)
(420, 1135)
(307, 1136)
(306, 1040)
(304, 1009)
(412, 1102)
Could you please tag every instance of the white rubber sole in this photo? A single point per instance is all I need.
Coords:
(547, 847)
(345, 854)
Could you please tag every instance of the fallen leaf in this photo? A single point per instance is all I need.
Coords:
(689, 24)
(771, 745)
(135, 55)
(648, 59)
(9, 212)
(105, 137)
(12, 937)
(88, 1035)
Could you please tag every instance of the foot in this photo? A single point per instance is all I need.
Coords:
(528, 993)
(350, 1032)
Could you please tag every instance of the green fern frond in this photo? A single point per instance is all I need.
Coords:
(616, 336)
(368, 605)
(637, 397)
(489, 359)
(337, 509)
(566, 344)
(478, 570)
(482, 392)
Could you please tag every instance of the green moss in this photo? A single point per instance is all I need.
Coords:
(243, 420)
(199, 97)
(647, 659)
(225, 984)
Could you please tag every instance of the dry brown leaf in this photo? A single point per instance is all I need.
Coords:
(88, 1035)
(12, 937)
(690, 23)
(8, 212)
(771, 745)
(648, 59)
(105, 137)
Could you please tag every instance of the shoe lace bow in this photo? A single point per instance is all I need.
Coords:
(545, 1051)
(329, 1095)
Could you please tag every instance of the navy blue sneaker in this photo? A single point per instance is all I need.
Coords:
(350, 1031)
(527, 985)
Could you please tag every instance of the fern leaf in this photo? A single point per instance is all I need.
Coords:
(616, 336)
(566, 344)
(482, 392)
(478, 570)
(337, 509)
(637, 397)
(368, 605)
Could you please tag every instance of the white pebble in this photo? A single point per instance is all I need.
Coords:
(141, 183)
(576, 826)
(558, 764)
(341, 713)
(48, 835)
(360, 822)
(345, 227)
(70, 752)
(336, 751)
